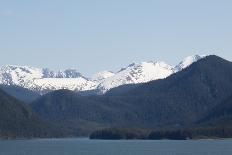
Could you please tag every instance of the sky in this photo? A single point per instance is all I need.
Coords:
(96, 35)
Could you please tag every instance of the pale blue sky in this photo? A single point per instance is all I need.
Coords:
(93, 35)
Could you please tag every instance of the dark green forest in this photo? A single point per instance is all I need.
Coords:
(170, 134)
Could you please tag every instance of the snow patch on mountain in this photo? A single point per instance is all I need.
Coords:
(75, 84)
(102, 75)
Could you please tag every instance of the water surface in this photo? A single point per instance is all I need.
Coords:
(110, 147)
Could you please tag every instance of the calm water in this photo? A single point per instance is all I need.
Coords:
(122, 147)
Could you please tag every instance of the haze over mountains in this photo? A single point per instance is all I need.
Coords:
(44, 80)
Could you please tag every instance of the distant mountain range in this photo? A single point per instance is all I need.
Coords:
(195, 93)
(44, 80)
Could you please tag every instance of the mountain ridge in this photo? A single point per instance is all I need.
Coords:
(44, 80)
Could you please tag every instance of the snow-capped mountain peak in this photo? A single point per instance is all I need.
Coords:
(102, 75)
(188, 61)
(137, 73)
(44, 80)
(16, 75)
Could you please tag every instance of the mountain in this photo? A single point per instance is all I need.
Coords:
(145, 72)
(43, 80)
(137, 73)
(179, 100)
(187, 95)
(20, 93)
(17, 120)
